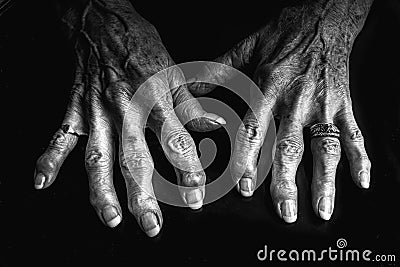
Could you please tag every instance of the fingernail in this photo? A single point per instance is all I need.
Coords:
(111, 216)
(288, 211)
(220, 120)
(246, 187)
(39, 181)
(150, 224)
(364, 179)
(194, 199)
(215, 118)
(325, 208)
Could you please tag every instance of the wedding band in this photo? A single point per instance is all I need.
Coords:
(324, 130)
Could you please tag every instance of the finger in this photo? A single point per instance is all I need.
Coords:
(99, 158)
(289, 150)
(99, 166)
(187, 108)
(177, 144)
(237, 57)
(191, 113)
(180, 149)
(326, 155)
(63, 141)
(353, 144)
(135, 159)
(137, 168)
(249, 139)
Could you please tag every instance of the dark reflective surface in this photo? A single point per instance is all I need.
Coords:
(58, 225)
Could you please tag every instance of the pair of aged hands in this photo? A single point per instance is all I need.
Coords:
(302, 70)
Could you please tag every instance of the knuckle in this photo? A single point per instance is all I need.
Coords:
(135, 155)
(134, 143)
(284, 188)
(355, 135)
(329, 146)
(181, 143)
(325, 185)
(250, 171)
(137, 160)
(137, 195)
(97, 159)
(250, 134)
(193, 178)
(140, 202)
(59, 141)
(290, 148)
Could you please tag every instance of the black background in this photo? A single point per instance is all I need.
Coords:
(58, 225)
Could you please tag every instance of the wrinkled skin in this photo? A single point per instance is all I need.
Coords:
(116, 51)
(301, 62)
(302, 69)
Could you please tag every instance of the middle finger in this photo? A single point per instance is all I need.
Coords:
(288, 154)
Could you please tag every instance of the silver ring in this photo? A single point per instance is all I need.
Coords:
(324, 130)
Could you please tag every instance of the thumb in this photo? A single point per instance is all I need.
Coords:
(190, 112)
(237, 57)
